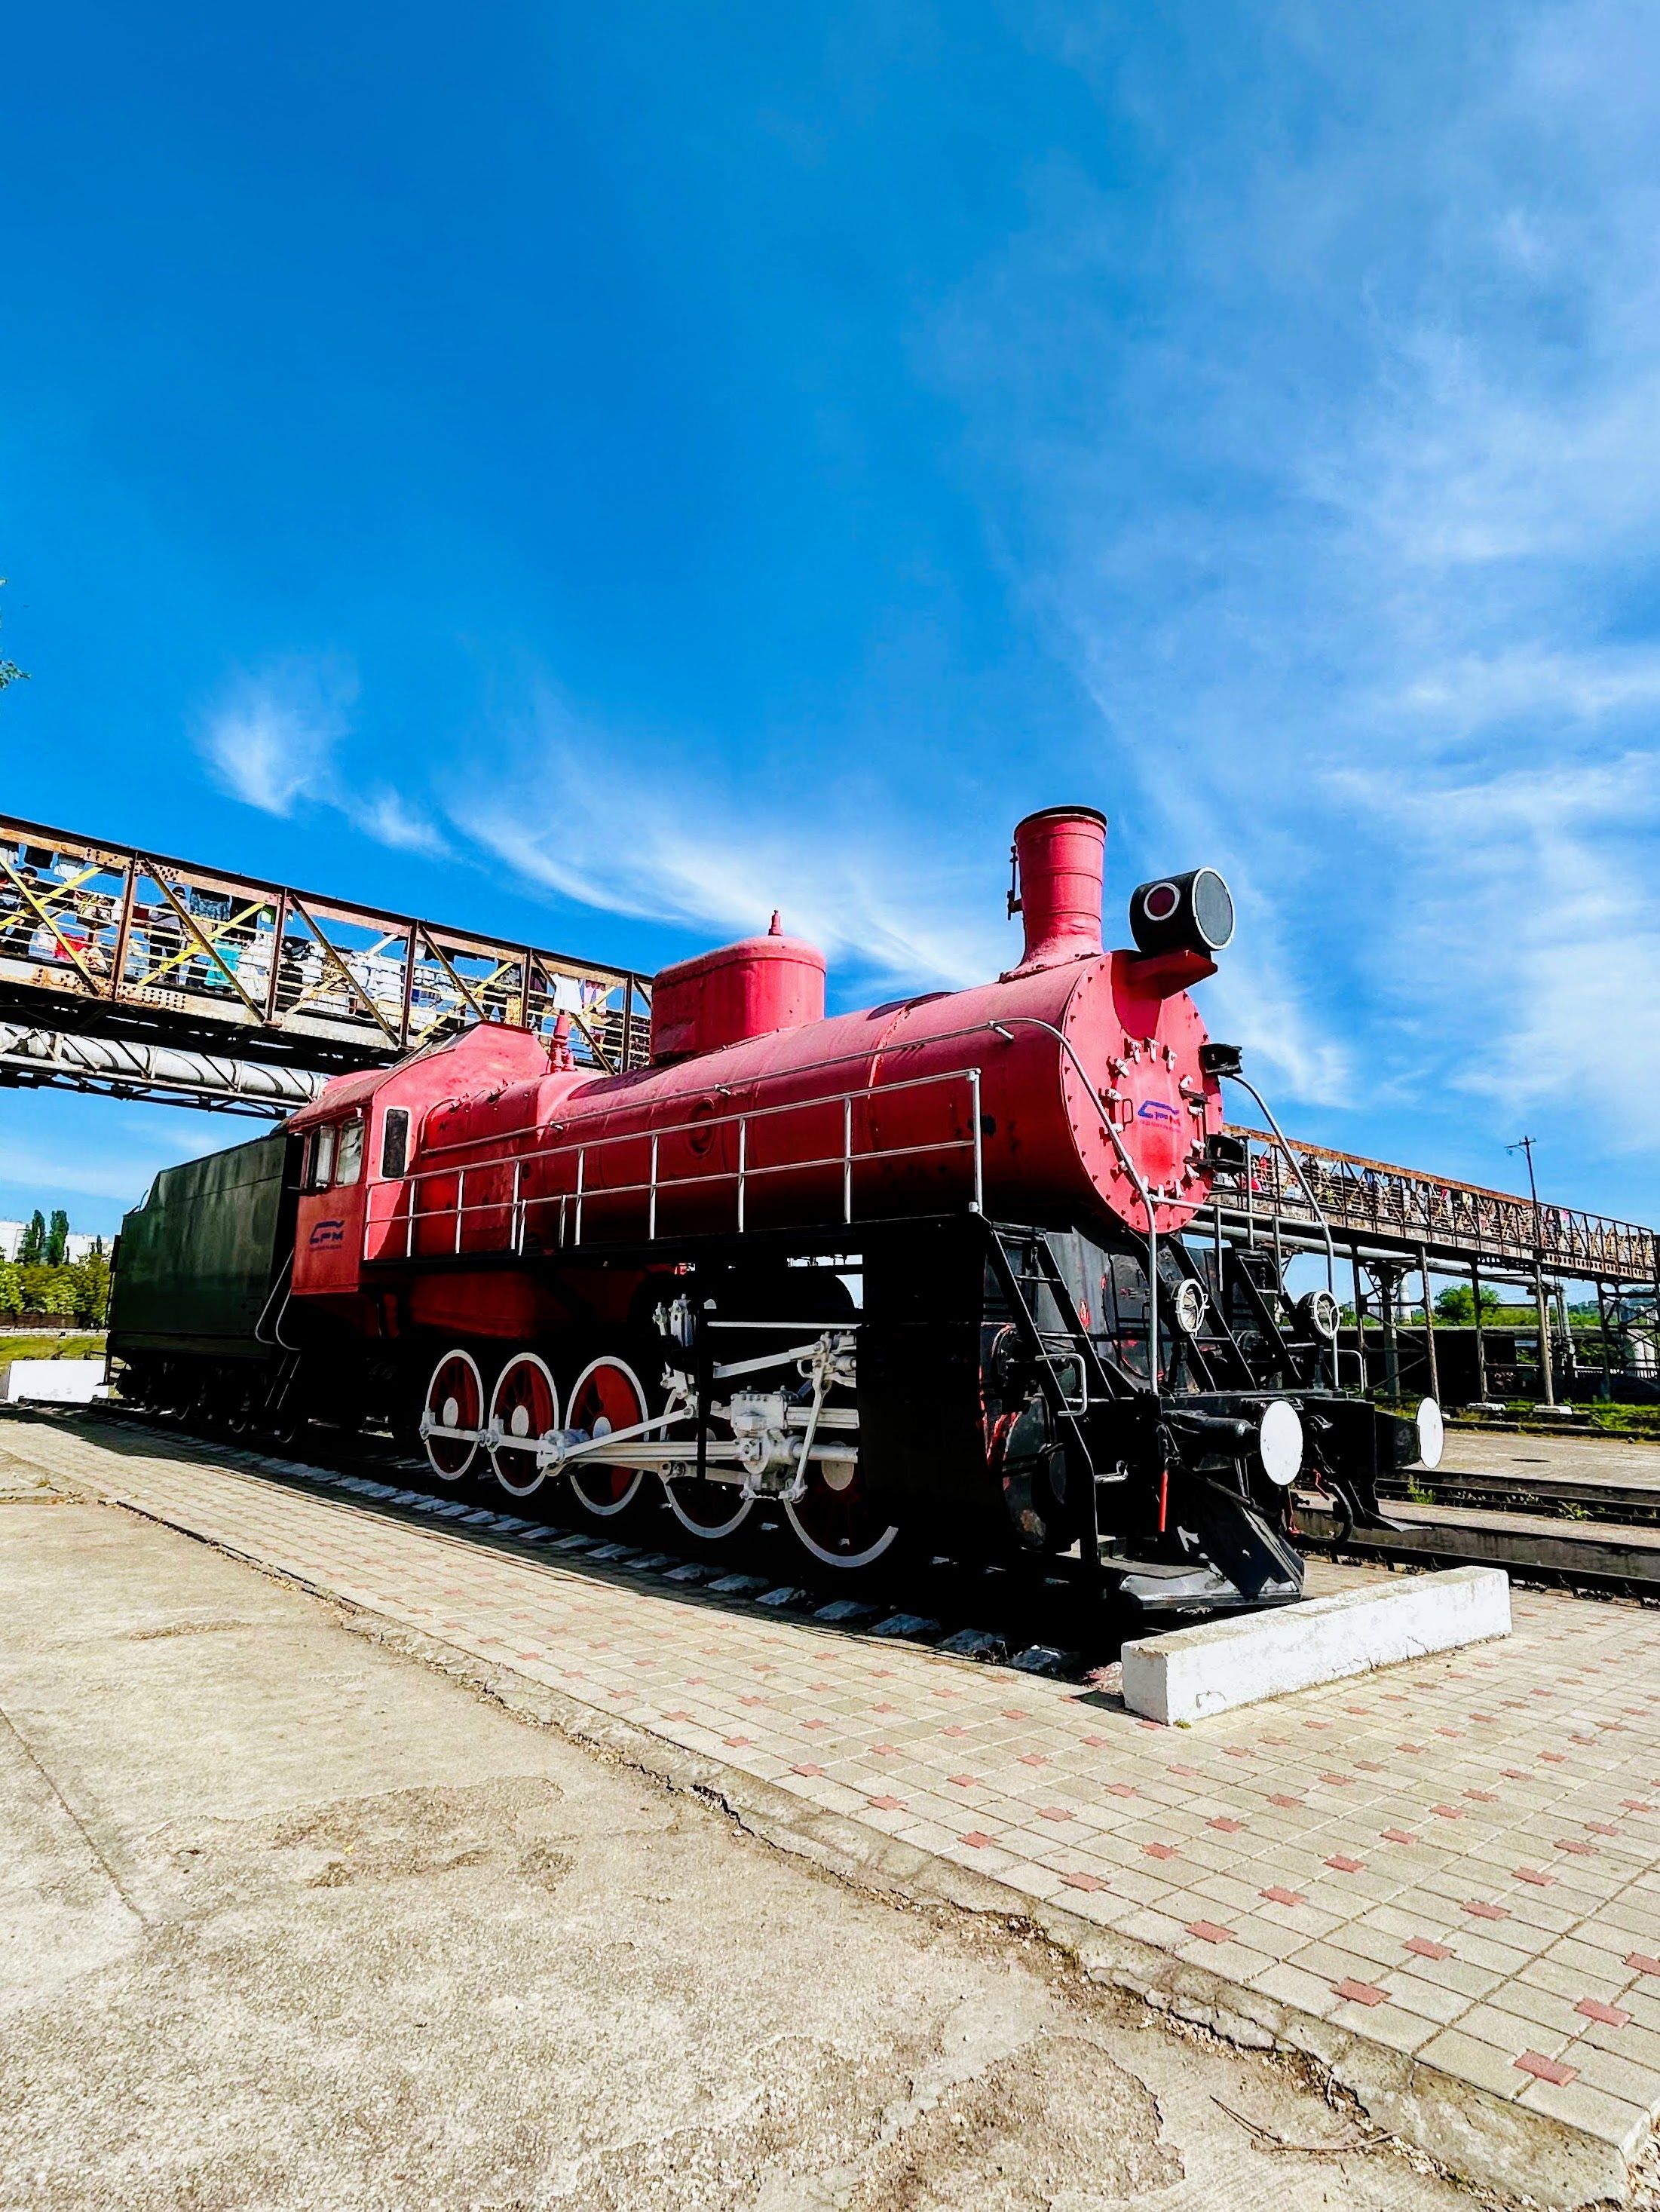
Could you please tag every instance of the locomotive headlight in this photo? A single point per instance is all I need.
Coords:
(1189, 912)
(1432, 1433)
(1319, 1313)
(1279, 1442)
(1187, 1308)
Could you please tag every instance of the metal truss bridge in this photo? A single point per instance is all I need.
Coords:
(127, 973)
(1289, 1194)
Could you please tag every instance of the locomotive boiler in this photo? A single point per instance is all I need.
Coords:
(922, 1272)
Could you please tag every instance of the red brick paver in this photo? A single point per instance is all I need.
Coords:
(1526, 1750)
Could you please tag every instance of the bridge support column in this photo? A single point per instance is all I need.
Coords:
(1389, 1280)
(1480, 1338)
(1359, 1321)
(1543, 1312)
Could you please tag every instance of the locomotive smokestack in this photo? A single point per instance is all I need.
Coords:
(1060, 857)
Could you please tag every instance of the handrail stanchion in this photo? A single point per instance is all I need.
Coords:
(582, 1179)
(460, 1201)
(847, 1156)
(651, 1203)
(516, 1234)
(743, 1166)
(979, 1150)
(1245, 1084)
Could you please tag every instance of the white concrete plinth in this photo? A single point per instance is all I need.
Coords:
(60, 1382)
(1194, 1672)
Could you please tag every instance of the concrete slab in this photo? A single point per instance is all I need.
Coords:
(52, 1381)
(1440, 1882)
(288, 1919)
(1189, 1673)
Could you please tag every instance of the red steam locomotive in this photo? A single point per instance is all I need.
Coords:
(917, 1271)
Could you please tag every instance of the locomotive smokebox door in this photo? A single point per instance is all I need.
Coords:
(920, 1425)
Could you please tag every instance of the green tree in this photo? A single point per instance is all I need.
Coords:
(90, 1280)
(10, 671)
(33, 1250)
(59, 1297)
(58, 1238)
(1456, 1306)
(11, 1289)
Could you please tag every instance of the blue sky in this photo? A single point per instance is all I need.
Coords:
(605, 473)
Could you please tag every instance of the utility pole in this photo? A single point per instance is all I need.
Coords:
(1524, 1144)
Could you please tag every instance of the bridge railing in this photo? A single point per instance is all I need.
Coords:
(1389, 1204)
(175, 951)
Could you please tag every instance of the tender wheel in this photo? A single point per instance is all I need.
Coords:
(711, 1511)
(836, 1522)
(455, 1399)
(605, 1396)
(525, 1407)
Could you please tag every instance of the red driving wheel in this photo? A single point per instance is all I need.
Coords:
(455, 1401)
(836, 1521)
(606, 1396)
(524, 1409)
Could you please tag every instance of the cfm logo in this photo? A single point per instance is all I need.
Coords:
(1155, 1110)
(328, 1236)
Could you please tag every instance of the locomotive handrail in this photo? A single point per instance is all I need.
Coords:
(1315, 1207)
(869, 1052)
(1031, 1021)
(571, 1204)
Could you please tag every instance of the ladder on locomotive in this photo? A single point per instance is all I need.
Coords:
(1244, 1340)
(1068, 1341)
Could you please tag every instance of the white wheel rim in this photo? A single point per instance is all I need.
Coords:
(848, 1559)
(448, 1474)
(704, 1527)
(513, 1457)
(606, 1507)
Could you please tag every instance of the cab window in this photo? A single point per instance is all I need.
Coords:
(322, 1157)
(395, 1141)
(349, 1160)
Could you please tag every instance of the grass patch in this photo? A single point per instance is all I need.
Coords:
(84, 1344)
(1640, 1424)
(1627, 1420)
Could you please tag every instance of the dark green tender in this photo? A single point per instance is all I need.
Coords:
(197, 1259)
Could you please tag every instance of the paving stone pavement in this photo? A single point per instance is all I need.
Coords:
(1455, 1862)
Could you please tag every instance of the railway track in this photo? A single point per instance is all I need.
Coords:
(1029, 1616)
(1022, 1617)
(1571, 1497)
(1599, 1538)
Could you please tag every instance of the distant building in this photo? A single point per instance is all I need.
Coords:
(11, 1241)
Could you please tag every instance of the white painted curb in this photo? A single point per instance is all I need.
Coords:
(1194, 1672)
(58, 1381)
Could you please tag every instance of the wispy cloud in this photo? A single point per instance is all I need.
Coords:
(1349, 525)
(647, 837)
(273, 741)
(1546, 934)
(388, 817)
